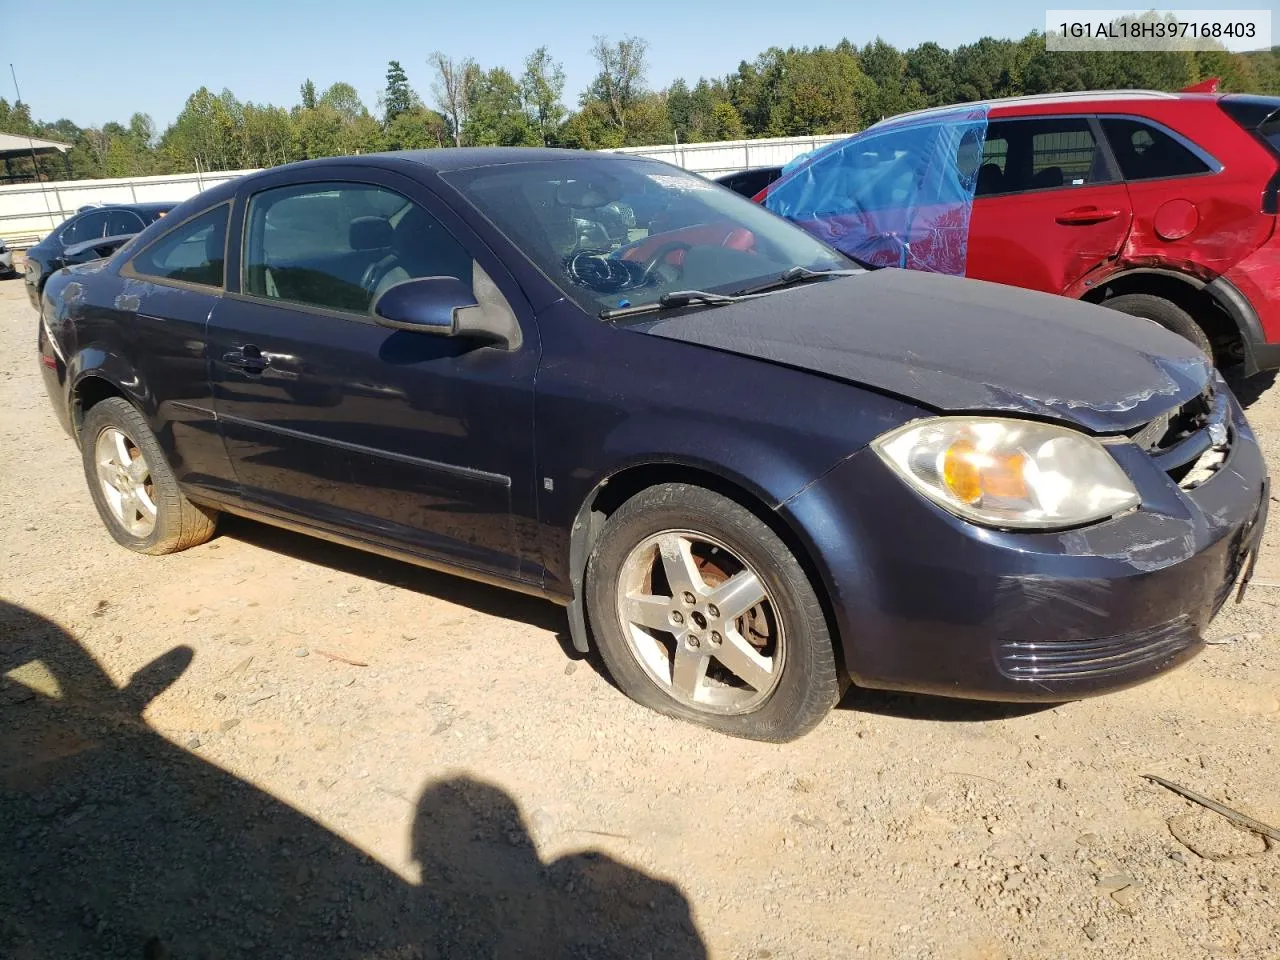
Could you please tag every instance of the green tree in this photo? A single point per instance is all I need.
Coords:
(704, 113)
(417, 129)
(988, 68)
(344, 100)
(267, 135)
(1265, 68)
(16, 118)
(619, 84)
(932, 69)
(1236, 72)
(895, 91)
(818, 91)
(591, 128)
(495, 113)
(753, 90)
(647, 122)
(452, 89)
(542, 87)
(196, 137)
(680, 109)
(725, 123)
(398, 97)
(316, 132)
(307, 93)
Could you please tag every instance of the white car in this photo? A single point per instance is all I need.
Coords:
(6, 260)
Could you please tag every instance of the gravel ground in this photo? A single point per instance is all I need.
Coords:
(271, 746)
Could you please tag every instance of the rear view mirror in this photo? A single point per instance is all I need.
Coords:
(426, 305)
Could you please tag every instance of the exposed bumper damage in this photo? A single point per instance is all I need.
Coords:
(929, 603)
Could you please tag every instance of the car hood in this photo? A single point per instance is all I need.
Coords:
(961, 346)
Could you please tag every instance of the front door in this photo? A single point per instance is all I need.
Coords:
(1049, 207)
(416, 441)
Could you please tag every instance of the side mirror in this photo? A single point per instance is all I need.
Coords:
(426, 305)
(446, 307)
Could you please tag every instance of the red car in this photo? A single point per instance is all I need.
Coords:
(1161, 205)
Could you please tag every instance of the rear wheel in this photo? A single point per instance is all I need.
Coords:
(1164, 312)
(701, 612)
(133, 488)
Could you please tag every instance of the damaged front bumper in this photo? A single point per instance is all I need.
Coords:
(929, 603)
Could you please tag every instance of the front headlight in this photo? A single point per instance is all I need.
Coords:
(1009, 473)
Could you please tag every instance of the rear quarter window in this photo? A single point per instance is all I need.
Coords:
(192, 252)
(1146, 152)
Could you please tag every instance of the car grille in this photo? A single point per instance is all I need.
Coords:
(1192, 442)
(1094, 659)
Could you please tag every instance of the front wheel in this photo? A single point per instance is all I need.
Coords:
(701, 612)
(133, 488)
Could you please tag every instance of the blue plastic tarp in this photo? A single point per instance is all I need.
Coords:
(898, 194)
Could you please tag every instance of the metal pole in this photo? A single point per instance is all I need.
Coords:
(35, 165)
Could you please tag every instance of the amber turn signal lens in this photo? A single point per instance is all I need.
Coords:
(960, 473)
(970, 474)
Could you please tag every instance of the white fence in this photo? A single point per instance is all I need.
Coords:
(28, 211)
(728, 156)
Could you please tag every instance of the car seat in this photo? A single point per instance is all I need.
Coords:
(990, 180)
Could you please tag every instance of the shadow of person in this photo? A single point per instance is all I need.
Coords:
(114, 842)
(494, 897)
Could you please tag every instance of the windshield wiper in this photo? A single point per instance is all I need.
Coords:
(672, 300)
(792, 276)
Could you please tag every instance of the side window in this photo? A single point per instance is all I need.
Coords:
(193, 252)
(88, 227)
(340, 245)
(1145, 152)
(120, 222)
(1042, 154)
(995, 158)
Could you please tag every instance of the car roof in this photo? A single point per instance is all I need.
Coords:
(445, 159)
(1075, 98)
(149, 207)
(448, 159)
(435, 160)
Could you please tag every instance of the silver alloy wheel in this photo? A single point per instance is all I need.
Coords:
(701, 622)
(126, 482)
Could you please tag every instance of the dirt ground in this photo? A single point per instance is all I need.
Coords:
(340, 755)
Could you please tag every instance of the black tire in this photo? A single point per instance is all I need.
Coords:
(807, 686)
(1164, 312)
(179, 523)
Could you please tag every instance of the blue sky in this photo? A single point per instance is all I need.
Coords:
(112, 58)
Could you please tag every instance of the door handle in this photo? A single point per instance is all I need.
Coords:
(1085, 215)
(248, 358)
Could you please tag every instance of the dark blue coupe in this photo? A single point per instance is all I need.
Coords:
(750, 470)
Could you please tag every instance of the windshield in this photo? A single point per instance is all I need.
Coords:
(613, 232)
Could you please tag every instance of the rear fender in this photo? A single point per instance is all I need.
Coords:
(1220, 291)
(98, 362)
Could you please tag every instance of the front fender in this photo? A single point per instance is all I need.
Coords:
(740, 454)
(747, 462)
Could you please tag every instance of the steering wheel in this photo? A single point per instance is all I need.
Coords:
(659, 256)
(599, 271)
